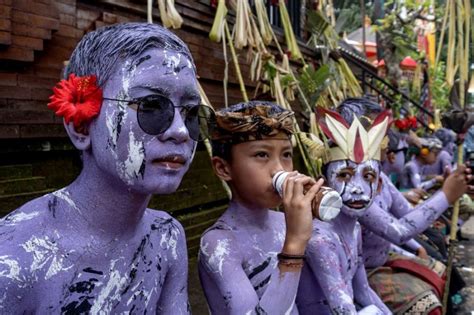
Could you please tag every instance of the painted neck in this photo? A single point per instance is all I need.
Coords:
(248, 215)
(344, 224)
(103, 206)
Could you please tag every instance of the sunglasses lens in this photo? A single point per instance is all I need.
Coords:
(199, 122)
(155, 114)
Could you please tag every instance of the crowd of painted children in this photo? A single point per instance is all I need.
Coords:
(131, 105)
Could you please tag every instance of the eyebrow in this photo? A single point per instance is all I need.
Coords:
(267, 146)
(190, 93)
(155, 89)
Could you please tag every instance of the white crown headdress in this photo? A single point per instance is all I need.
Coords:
(353, 142)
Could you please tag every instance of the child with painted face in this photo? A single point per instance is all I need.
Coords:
(390, 219)
(426, 153)
(444, 160)
(250, 260)
(333, 280)
(130, 101)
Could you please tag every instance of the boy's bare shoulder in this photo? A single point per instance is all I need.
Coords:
(23, 222)
(157, 218)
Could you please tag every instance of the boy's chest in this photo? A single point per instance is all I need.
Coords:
(349, 259)
(90, 276)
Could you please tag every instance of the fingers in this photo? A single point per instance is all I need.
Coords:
(288, 186)
(316, 187)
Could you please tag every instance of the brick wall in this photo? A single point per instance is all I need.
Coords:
(37, 36)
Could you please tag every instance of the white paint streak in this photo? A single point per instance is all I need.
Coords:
(44, 250)
(172, 62)
(170, 242)
(12, 270)
(64, 195)
(110, 294)
(136, 155)
(220, 253)
(20, 216)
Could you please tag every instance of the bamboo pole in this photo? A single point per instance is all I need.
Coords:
(463, 23)
(236, 63)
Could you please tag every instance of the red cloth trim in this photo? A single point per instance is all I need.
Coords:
(421, 271)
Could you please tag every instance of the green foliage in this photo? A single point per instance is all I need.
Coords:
(349, 16)
(314, 82)
(439, 87)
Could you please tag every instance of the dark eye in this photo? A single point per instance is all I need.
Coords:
(261, 154)
(369, 176)
(344, 175)
(288, 155)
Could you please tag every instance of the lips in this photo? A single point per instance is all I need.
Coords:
(357, 204)
(172, 161)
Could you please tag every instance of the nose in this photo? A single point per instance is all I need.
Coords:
(177, 131)
(355, 189)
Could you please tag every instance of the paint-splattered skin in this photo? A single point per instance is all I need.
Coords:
(94, 246)
(238, 267)
(390, 219)
(334, 279)
(52, 271)
(443, 164)
(412, 178)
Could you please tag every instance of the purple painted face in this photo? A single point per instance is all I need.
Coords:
(356, 183)
(146, 163)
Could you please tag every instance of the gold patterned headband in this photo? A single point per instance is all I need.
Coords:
(252, 123)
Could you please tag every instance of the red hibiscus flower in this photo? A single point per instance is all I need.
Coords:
(77, 99)
(413, 122)
(401, 124)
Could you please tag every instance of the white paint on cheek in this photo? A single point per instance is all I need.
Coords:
(64, 195)
(220, 253)
(110, 294)
(45, 250)
(136, 155)
(113, 134)
(20, 216)
(12, 269)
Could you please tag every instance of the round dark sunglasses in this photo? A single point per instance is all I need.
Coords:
(155, 114)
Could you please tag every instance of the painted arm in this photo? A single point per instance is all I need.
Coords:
(363, 293)
(227, 287)
(399, 231)
(324, 261)
(446, 162)
(415, 180)
(398, 250)
(413, 245)
(174, 294)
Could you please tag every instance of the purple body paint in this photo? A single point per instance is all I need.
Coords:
(238, 266)
(334, 279)
(390, 219)
(412, 178)
(94, 246)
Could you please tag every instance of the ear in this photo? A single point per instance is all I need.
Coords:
(379, 186)
(221, 168)
(80, 140)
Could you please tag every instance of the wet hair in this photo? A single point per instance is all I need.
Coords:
(223, 149)
(99, 51)
(446, 136)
